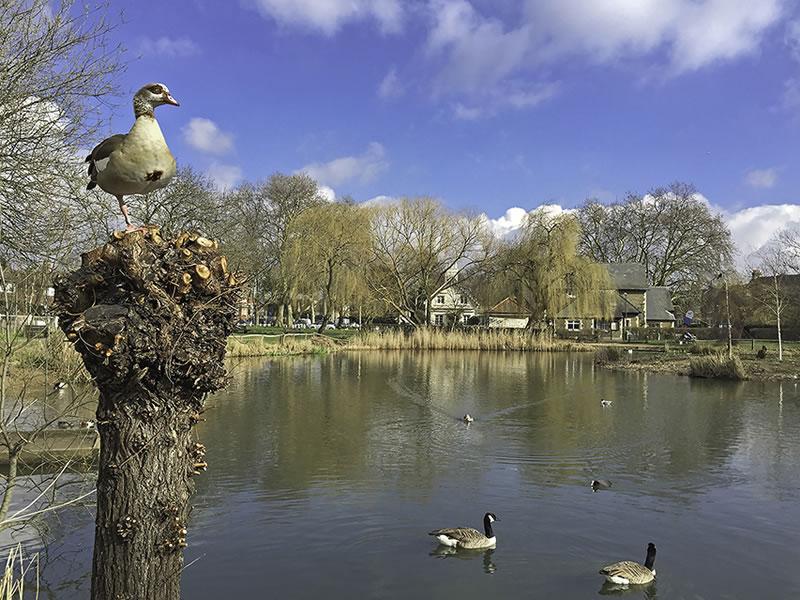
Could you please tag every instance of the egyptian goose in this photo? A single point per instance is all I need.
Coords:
(139, 161)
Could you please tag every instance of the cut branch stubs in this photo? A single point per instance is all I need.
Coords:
(151, 319)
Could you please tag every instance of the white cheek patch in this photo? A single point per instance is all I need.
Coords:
(101, 164)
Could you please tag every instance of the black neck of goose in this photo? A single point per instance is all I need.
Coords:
(651, 558)
(487, 527)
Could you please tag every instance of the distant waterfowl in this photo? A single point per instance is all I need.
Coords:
(467, 537)
(59, 385)
(600, 484)
(139, 161)
(627, 572)
(88, 424)
(467, 418)
(606, 402)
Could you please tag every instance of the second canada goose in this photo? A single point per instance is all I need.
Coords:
(467, 418)
(627, 572)
(467, 537)
(606, 402)
(600, 484)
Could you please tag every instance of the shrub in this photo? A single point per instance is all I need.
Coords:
(608, 354)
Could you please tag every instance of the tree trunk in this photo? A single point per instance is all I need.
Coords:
(151, 323)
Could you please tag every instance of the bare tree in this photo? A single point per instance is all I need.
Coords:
(670, 230)
(55, 67)
(769, 286)
(419, 249)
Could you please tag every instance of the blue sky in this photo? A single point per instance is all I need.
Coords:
(488, 105)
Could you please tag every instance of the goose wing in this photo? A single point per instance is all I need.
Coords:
(464, 535)
(627, 569)
(99, 156)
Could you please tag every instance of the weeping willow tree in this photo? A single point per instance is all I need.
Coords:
(546, 272)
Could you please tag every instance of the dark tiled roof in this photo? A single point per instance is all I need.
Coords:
(628, 276)
(624, 308)
(659, 304)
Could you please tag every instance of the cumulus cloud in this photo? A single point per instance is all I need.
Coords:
(224, 177)
(326, 193)
(480, 51)
(204, 135)
(514, 218)
(181, 47)
(362, 168)
(329, 16)
(762, 178)
(752, 228)
(390, 86)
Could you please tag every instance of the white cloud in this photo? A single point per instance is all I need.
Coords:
(751, 228)
(512, 95)
(181, 47)
(479, 52)
(514, 218)
(326, 193)
(379, 200)
(204, 135)
(390, 86)
(328, 16)
(762, 178)
(224, 176)
(363, 168)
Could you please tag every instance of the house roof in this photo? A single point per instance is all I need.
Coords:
(659, 304)
(508, 306)
(628, 276)
(624, 308)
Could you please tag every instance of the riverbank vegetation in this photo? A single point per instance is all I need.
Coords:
(441, 339)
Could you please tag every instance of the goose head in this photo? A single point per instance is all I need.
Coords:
(490, 518)
(467, 418)
(151, 95)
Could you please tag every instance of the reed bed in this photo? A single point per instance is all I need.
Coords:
(439, 339)
(717, 366)
(608, 354)
(241, 347)
(18, 569)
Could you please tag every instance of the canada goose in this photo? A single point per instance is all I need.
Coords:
(606, 402)
(88, 424)
(467, 418)
(466, 537)
(628, 572)
(59, 385)
(600, 484)
(139, 161)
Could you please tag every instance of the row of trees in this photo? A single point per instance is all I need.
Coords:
(304, 254)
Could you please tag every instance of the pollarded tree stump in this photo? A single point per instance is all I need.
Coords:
(151, 319)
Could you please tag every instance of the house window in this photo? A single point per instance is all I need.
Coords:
(573, 325)
(438, 319)
(439, 300)
(465, 318)
(462, 299)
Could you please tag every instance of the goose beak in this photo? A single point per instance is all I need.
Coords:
(168, 99)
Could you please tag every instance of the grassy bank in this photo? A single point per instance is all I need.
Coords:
(439, 339)
(709, 361)
(255, 345)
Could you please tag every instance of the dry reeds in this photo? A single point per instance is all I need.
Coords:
(717, 366)
(17, 570)
(439, 339)
(250, 346)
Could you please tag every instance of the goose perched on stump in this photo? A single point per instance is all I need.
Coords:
(139, 161)
(467, 537)
(627, 572)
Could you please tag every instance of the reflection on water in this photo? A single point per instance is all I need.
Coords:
(448, 552)
(326, 473)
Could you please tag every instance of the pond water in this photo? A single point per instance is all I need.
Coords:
(326, 473)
